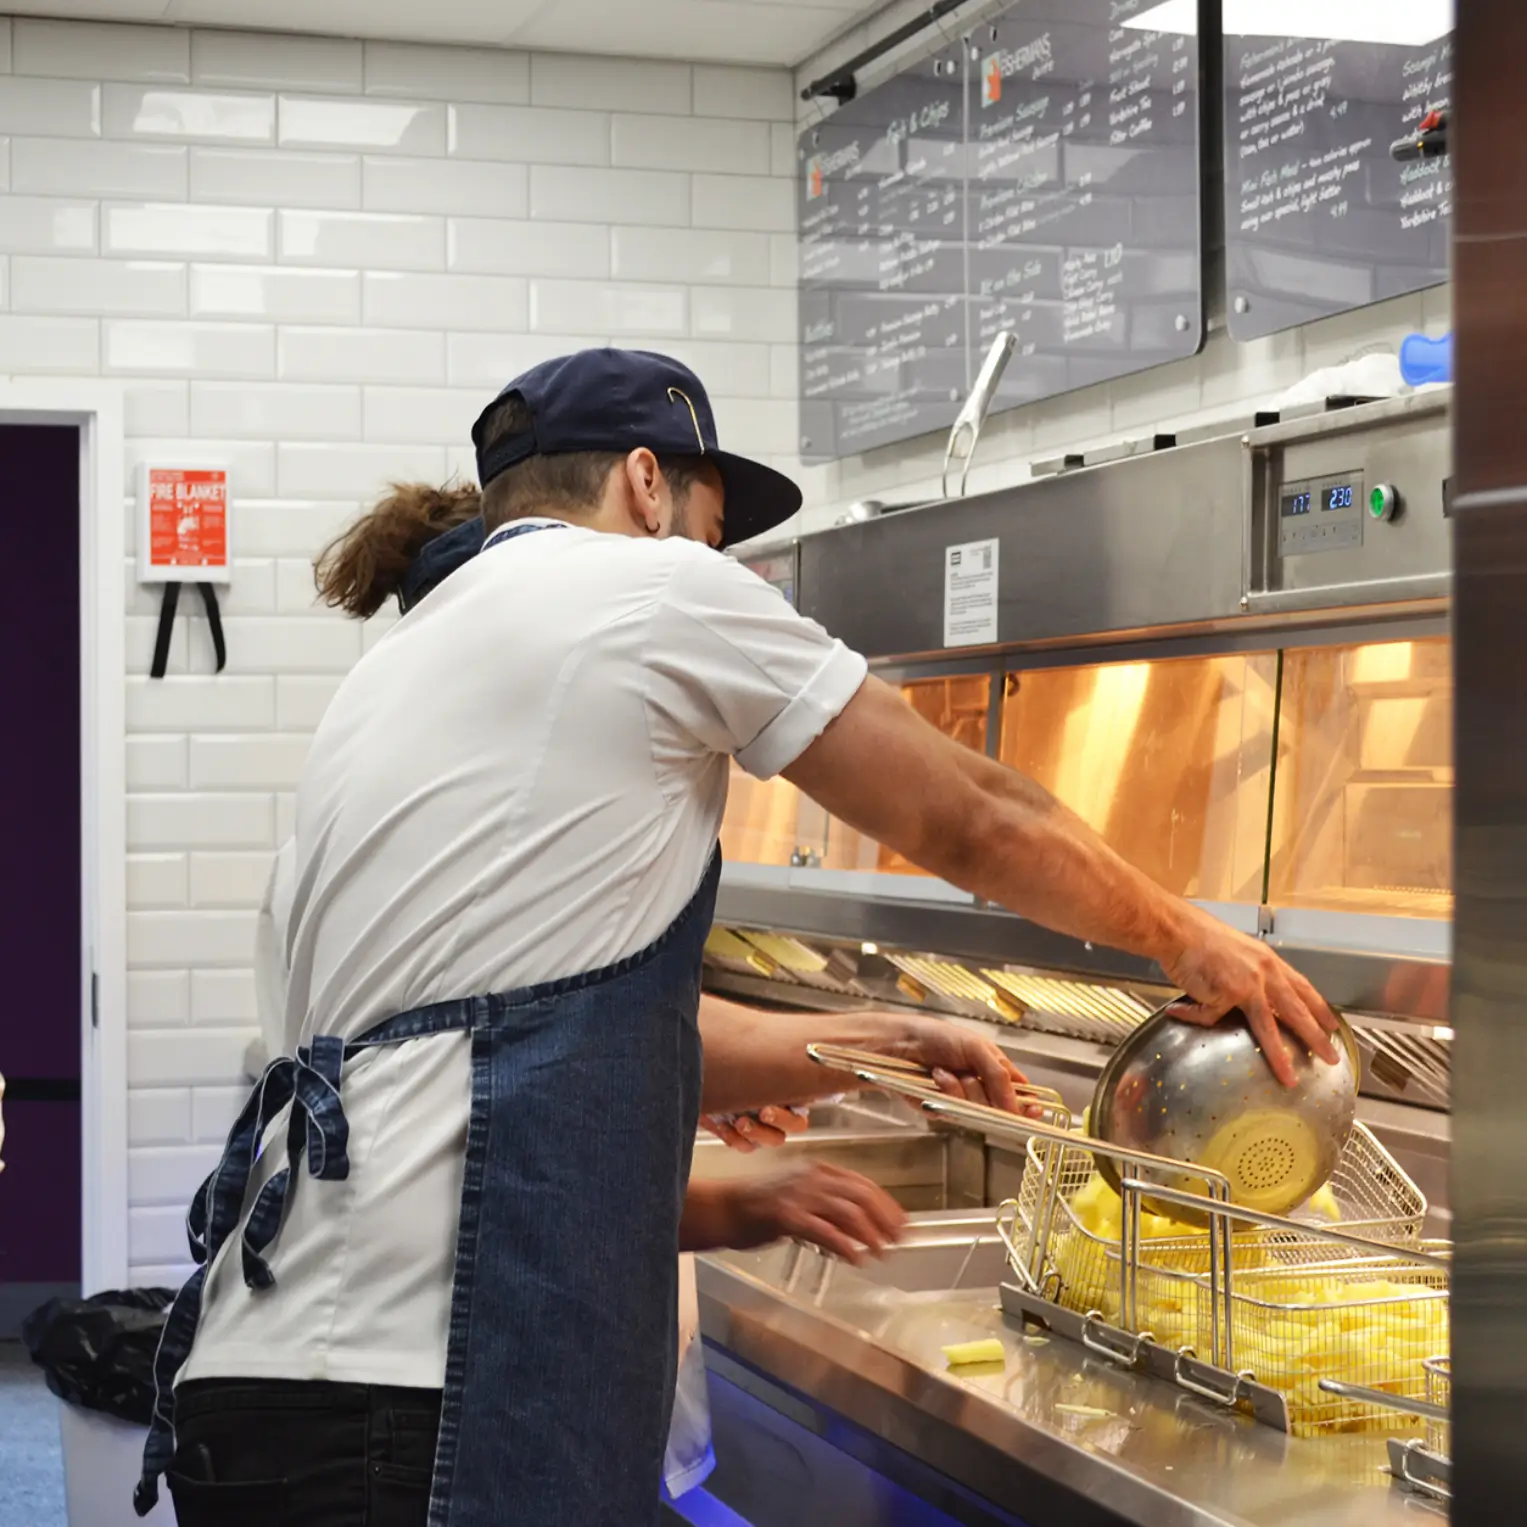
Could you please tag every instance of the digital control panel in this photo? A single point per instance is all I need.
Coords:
(1320, 514)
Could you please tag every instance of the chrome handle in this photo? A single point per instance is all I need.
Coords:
(1410, 1460)
(973, 415)
(1427, 1408)
(1206, 1391)
(1125, 1356)
(1007, 1223)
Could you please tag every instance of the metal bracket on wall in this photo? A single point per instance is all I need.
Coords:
(841, 85)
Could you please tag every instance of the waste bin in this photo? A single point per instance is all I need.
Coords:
(97, 1355)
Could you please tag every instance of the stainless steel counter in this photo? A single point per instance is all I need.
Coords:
(1058, 1438)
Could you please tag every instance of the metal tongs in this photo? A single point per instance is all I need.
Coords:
(1042, 1105)
(973, 415)
(1043, 1110)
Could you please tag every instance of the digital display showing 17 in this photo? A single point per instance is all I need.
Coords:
(1296, 503)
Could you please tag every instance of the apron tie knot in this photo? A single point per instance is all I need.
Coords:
(310, 1083)
(318, 1123)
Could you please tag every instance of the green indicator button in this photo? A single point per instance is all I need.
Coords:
(1383, 502)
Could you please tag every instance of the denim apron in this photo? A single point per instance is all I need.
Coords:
(585, 1101)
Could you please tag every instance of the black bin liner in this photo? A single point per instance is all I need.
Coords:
(98, 1353)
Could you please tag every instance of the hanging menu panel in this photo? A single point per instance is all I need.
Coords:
(1319, 218)
(1044, 179)
(882, 277)
(1084, 195)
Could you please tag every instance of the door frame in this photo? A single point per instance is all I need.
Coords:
(95, 409)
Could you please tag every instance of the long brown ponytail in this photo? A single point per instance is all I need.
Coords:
(362, 568)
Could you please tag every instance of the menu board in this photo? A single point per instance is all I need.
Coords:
(882, 275)
(1084, 201)
(1043, 179)
(1319, 217)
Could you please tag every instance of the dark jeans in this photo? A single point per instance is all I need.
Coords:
(279, 1453)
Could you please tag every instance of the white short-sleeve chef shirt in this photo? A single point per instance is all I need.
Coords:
(523, 780)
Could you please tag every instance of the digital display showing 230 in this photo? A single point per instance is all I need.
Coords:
(1301, 498)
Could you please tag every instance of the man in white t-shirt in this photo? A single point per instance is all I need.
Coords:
(506, 870)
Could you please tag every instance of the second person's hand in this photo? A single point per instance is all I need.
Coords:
(823, 1205)
(964, 1063)
(761, 1130)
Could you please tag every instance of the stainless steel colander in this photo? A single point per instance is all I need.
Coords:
(1208, 1096)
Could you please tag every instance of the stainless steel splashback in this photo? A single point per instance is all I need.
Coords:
(1210, 536)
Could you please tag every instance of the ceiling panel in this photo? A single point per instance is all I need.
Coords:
(491, 22)
(745, 31)
(96, 10)
(779, 32)
(340, 17)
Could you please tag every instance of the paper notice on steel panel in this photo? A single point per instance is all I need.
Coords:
(970, 594)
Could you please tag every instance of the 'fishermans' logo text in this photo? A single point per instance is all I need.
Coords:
(1007, 62)
(820, 166)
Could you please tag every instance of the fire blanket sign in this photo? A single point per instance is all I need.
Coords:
(187, 523)
(183, 536)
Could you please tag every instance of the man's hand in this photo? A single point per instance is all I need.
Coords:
(1221, 969)
(826, 1206)
(748, 1132)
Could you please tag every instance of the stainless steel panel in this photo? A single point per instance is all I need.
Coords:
(1490, 932)
(875, 883)
(1403, 985)
(960, 932)
(1426, 938)
(867, 1349)
(1376, 560)
(1154, 540)
(1421, 595)
(1181, 538)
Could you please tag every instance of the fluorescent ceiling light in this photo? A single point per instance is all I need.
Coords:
(1171, 16)
(1406, 23)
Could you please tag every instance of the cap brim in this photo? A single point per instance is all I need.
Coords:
(757, 497)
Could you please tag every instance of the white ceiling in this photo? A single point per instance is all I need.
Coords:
(733, 31)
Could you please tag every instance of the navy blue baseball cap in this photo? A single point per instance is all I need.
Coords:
(620, 400)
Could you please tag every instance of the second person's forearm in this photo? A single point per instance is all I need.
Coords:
(754, 1058)
(708, 1219)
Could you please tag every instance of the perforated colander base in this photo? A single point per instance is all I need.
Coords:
(1266, 1165)
(1273, 1160)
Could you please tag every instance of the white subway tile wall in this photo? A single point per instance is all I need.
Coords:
(69, 51)
(316, 260)
(446, 74)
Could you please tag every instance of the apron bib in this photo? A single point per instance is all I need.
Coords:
(585, 1101)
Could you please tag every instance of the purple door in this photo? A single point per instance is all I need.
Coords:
(40, 1025)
